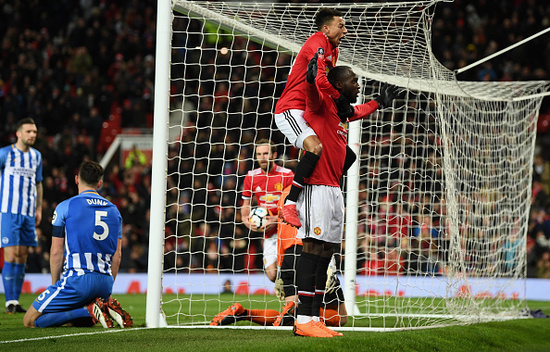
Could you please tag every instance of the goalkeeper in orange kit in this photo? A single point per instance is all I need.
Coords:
(332, 309)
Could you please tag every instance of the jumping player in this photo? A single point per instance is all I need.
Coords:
(289, 111)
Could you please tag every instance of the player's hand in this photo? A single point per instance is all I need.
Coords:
(387, 94)
(345, 109)
(271, 222)
(312, 69)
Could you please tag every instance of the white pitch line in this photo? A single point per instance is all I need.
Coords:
(106, 331)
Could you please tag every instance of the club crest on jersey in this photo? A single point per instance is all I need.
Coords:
(317, 231)
(321, 52)
(278, 186)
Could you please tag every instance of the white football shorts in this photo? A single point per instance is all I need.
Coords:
(293, 125)
(321, 212)
(270, 251)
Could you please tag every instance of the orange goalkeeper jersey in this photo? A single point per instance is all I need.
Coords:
(286, 234)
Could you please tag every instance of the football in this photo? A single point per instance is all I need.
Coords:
(258, 216)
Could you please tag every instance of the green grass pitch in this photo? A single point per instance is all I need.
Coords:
(514, 335)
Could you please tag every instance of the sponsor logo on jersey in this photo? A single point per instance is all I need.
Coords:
(317, 231)
(258, 189)
(270, 198)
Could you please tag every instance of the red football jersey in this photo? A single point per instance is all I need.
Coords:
(322, 115)
(267, 188)
(294, 94)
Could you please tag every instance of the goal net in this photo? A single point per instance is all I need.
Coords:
(437, 203)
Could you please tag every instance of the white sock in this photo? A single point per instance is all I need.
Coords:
(302, 319)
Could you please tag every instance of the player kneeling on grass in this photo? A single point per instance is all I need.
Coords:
(332, 307)
(84, 260)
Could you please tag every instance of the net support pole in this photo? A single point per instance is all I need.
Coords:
(352, 209)
(466, 68)
(154, 317)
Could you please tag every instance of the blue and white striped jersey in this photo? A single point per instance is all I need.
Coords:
(91, 226)
(19, 174)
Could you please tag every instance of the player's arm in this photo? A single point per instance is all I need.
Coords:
(313, 94)
(320, 47)
(56, 253)
(245, 213)
(115, 263)
(387, 94)
(39, 197)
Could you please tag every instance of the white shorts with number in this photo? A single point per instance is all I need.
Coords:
(270, 251)
(292, 124)
(321, 212)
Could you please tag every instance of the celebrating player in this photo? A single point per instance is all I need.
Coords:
(289, 111)
(21, 208)
(321, 204)
(85, 257)
(266, 184)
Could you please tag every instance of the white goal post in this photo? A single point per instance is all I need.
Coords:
(437, 203)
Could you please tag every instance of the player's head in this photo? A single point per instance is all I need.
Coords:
(331, 22)
(266, 152)
(90, 174)
(26, 132)
(345, 81)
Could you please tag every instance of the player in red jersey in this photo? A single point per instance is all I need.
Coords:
(321, 204)
(290, 107)
(266, 183)
(333, 312)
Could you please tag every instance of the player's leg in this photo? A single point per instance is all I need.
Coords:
(321, 279)
(322, 209)
(236, 312)
(72, 298)
(313, 149)
(292, 124)
(287, 315)
(270, 257)
(306, 270)
(15, 257)
(28, 239)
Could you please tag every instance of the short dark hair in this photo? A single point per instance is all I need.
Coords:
(265, 141)
(90, 172)
(25, 121)
(338, 73)
(325, 16)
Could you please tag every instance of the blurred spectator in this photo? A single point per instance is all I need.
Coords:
(135, 157)
(76, 67)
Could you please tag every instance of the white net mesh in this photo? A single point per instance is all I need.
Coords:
(444, 175)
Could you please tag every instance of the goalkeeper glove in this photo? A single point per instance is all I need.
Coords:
(312, 69)
(387, 94)
(332, 280)
(345, 109)
(279, 289)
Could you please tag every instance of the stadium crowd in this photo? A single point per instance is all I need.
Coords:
(83, 69)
